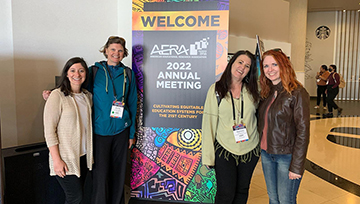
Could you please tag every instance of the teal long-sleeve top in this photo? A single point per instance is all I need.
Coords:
(103, 98)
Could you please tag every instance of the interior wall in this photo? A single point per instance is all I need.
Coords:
(7, 84)
(267, 18)
(246, 43)
(297, 33)
(271, 21)
(279, 23)
(318, 51)
(40, 36)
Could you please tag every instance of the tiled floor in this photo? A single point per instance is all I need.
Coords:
(336, 160)
(313, 190)
(341, 159)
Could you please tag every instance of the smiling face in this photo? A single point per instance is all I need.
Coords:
(240, 68)
(115, 53)
(271, 69)
(76, 75)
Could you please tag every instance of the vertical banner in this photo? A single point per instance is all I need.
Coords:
(179, 50)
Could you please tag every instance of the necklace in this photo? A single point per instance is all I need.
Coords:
(236, 90)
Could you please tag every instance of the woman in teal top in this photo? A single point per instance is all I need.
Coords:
(114, 113)
(230, 141)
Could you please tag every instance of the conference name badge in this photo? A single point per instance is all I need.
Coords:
(117, 109)
(240, 133)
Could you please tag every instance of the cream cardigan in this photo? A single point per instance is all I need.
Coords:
(62, 127)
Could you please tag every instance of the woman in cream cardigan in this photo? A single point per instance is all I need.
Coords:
(68, 129)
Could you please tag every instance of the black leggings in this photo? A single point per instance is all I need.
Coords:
(73, 186)
(331, 94)
(233, 181)
(321, 91)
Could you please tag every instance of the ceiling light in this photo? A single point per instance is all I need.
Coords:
(344, 10)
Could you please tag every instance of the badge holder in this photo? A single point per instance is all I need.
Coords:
(117, 109)
(240, 132)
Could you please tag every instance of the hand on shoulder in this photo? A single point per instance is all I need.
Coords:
(46, 94)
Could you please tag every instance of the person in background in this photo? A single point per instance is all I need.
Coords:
(321, 80)
(284, 123)
(332, 91)
(230, 140)
(68, 130)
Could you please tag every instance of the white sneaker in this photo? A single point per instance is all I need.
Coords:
(316, 107)
(325, 108)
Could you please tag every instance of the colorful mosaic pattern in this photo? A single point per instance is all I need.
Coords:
(180, 163)
(162, 186)
(221, 52)
(142, 169)
(162, 134)
(172, 171)
(146, 144)
(203, 186)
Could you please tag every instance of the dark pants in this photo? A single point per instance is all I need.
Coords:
(73, 186)
(110, 154)
(321, 91)
(331, 94)
(233, 181)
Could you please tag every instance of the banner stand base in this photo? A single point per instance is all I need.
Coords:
(149, 201)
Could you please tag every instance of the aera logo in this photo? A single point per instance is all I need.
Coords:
(195, 49)
(169, 50)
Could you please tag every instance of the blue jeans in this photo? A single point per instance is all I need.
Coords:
(280, 188)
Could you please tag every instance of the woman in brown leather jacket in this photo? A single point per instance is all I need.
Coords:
(284, 121)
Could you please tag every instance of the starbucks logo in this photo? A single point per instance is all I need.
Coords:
(322, 32)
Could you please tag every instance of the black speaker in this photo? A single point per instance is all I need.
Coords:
(27, 176)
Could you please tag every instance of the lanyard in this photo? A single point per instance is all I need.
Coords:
(112, 82)
(242, 107)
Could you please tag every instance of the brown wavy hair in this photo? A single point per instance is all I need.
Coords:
(287, 73)
(114, 40)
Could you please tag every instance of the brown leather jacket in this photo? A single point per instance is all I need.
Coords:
(288, 124)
